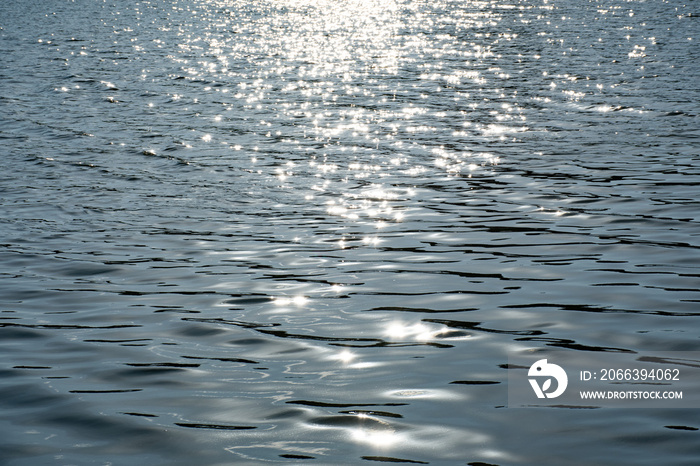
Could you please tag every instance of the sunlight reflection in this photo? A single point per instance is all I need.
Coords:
(337, 288)
(346, 356)
(295, 300)
(376, 438)
(350, 360)
(371, 240)
(419, 331)
(437, 394)
(378, 204)
(337, 32)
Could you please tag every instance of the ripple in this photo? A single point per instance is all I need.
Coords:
(213, 426)
(389, 459)
(312, 231)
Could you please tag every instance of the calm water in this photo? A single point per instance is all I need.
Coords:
(311, 232)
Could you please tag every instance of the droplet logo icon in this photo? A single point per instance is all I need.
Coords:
(542, 369)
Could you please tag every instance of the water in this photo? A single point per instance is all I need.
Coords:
(311, 232)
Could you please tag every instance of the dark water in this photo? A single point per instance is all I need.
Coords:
(311, 232)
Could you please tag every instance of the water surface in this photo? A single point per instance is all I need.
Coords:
(311, 232)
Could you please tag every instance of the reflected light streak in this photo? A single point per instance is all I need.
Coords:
(418, 331)
(378, 439)
(345, 356)
(295, 300)
(349, 360)
(371, 240)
